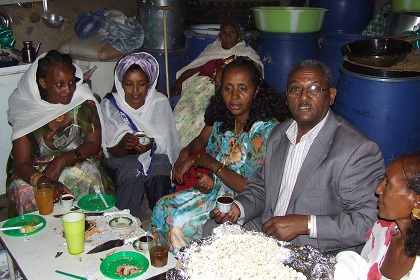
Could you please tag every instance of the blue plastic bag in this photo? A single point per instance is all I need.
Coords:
(87, 24)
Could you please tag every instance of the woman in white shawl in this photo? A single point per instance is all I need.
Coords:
(56, 136)
(196, 79)
(136, 106)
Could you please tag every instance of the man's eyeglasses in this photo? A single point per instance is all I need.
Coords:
(313, 91)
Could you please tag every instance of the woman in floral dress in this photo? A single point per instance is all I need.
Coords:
(238, 120)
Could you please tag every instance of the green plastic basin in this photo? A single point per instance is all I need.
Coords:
(288, 19)
(403, 6)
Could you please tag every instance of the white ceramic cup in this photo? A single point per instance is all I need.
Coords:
(143, 241)
(143, 138)
(67, 201)
(224, 203)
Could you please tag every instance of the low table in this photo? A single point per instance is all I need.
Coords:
(36, 255)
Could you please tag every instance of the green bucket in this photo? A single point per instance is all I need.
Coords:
(289, 19)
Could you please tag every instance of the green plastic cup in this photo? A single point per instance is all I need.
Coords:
(74, 230)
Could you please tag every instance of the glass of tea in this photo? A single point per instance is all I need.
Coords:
(159, 248)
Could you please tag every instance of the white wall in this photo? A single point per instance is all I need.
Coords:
(9, 78)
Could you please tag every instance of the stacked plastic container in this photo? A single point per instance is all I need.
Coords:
(287, 35)
(343, 24)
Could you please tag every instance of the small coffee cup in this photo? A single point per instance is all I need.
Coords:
(143, 138)
(224, 203)
(67, 201)
(143, 241)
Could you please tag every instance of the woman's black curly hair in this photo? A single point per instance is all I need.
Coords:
(51, 57)
(266, 105)
(411, 171)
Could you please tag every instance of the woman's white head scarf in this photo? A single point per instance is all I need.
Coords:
(216, 51)
(154, 117)
(28, 112)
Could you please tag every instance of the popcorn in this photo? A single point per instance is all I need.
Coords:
(240, 256)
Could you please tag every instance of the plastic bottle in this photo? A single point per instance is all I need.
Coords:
(88, 74)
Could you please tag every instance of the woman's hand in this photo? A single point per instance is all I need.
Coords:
(206, 161)
(129, 141)
(183, 168)
(144, 148)
(205, 183)
(59, 188)
(55, 167)
(183, 155)
(177, 88)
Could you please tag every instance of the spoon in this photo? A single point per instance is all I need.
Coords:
(45, 5)
(24, 229)
(51, 20)
(98, 192)
(34, 16)
(74, 208)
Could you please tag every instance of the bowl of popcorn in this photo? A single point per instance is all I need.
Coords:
(235, 253)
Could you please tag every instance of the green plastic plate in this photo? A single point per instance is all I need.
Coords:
(109, 264)
(24, 220)
(92, 202)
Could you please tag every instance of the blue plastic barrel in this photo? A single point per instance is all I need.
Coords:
(280, 51)
(330, 52)
(195, 44)
(345, 16)
(175, 62)
(385, 109)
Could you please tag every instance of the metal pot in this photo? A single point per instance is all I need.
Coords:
(5, 19)
(398, 23)
(151, 19)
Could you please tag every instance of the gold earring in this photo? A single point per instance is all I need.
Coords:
(416, 213)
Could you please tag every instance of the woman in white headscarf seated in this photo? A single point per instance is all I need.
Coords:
(139, 165)
(196, 82)
(56, 135)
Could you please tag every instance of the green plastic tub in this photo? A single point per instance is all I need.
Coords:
(404, 6)
(288, 19)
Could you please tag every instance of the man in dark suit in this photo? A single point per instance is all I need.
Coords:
(317, 183)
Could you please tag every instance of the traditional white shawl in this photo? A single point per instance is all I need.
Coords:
(154, 118)
(28, 112)
(215, 51)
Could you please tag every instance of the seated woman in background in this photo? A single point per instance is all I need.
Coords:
(56, 136)
(137, 106)
(239, 119)
(393, 247)
(194, 80)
